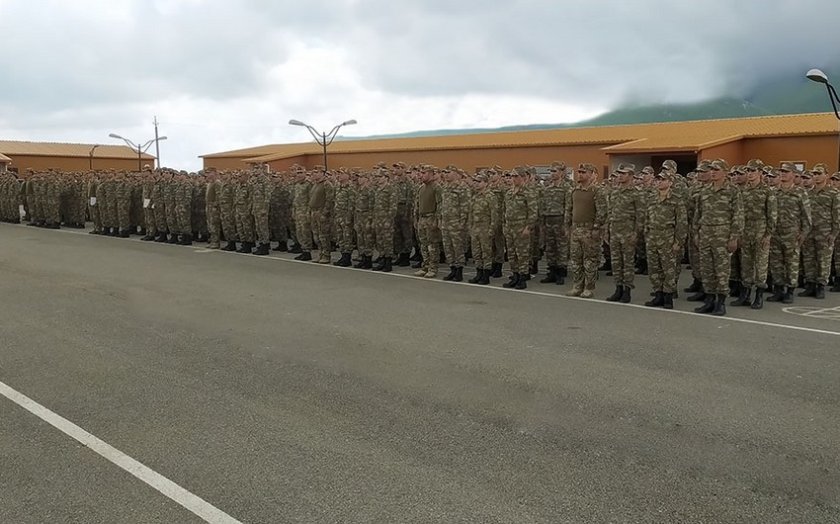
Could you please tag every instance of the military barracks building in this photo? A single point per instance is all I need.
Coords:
(805, 139)
(20, 156)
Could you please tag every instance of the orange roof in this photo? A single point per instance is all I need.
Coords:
(693, 135)
(11, 147)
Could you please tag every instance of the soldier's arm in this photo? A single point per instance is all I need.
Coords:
(601, 208)
(835, 217)
(681, 226)
(737, 217)
(772, 213)
(805, 218)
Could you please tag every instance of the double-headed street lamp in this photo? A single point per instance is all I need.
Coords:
(140, 149)
(815, 75)
(323, 139)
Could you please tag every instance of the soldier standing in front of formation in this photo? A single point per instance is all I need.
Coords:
(453, 221)
(719, 224)
(482, 220)
(625, 221)
(665, 226)
(520, 213)
(427, 219)
(555, 197)
(760, 212)
(819, 243)
(792, 228)
(585, 219)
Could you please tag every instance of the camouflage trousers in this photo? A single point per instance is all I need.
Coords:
(303, 230)
(149, 220)
(735, 266)
(53, 208)
(227, 213)
(518, 247)
(694, 256)
(837, 257)
(556, 241)
(816, 256)
(214, 224)
(537, 241)
(753, 259)
(623, 256)
(714, 259)
(403, 230)
(244, 224)
(498, 246)
(363, 226)
(321, 224)
(584, 255)
(278, 221)
(183, 213)
(383, 235)
(123, 213)
(429, 236)
(481, 239)
(454, 242)
(784, 259)
(95, 218)
(262, 231)
(160, 217)
(661, 261)
(171, 216)
(344, 233)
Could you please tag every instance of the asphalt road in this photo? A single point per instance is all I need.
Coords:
(280, 391)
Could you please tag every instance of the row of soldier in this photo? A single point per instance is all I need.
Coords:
(494, 214)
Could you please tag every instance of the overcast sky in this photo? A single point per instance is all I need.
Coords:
(224, 74)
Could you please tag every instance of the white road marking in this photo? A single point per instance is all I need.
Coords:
(188, 500)
(530, 292)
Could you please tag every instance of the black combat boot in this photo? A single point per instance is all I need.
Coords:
(485, 277)
(551, 276)
(344, 261)
(836, 287)
(478, 276)
(442, 259)
(758, 301)
(734, 288)
(697, 297)
(819, 291)
(658, 300)
(173, 239)
(720, 306)
(708, 305)
(379, 264)
(743, 297)
(296, 249)
(230, 246)
(561, 275)
(787, 297)
(245, 248)
(496, 271)
(306, 256)
(535, 266)
(625, 295)
(161, 237)
(361, 264)
(810, 290)
(694, 287)
(778, 293)
(402, 260)
(450, 275)
(417, 256)
(616, 296)
(186, 240)
(512, 282)
(147, 238)
(522, 283)
(668, 300)
(387, 265)
(262, 249)
(124, 233)
(417, 264)
(459, 274)
(282, 247)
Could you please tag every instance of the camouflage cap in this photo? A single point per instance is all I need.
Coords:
(480, 177)
(626, 169)
(670, 165)
(587, 168)
(836, 176)
(737, 170)
(703, 166)
(819, 169)
(719, 165)
(788, 166)
(755, 164)
(558, 166)
(648, 170)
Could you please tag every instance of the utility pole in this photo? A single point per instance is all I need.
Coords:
(157, 144)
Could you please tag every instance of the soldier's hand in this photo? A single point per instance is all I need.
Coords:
(732, 245)
(526, 231)
(765, 241)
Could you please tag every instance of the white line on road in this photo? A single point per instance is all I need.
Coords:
(190, 501)
(540, 293)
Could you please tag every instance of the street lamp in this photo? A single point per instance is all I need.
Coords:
(90, 155)
(140, 149)
(815, 75)
(323, 139)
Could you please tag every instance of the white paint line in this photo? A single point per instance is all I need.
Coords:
(537, 293)
(191, 502)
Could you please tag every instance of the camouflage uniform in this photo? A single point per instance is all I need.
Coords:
(483, 217)
(303, 225)
(199, 207)
(453, 222)
(183, 207)
(665, 226)
(625, 212)
(343, 216)
(403, 227)
(279, 209)
(586, 229)
(213, 210)
(792, 227)
(819, 244)
(227, 208)
(320, 216)
(260, 207)
(122, 196)
(520, 212)
(148, 211)
(158, 205)
(760, 213)
(170, 185)
(244, 219)
(555, 198)
(384, 211)
(363, 223)
(427, 209)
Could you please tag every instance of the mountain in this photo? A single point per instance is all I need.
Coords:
(774, 96)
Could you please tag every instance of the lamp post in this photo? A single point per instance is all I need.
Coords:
(140, 149)
(815, 75)
(322, 138)
(91, 156)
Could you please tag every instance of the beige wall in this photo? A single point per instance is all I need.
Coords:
(811, 150)
(23, 162)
